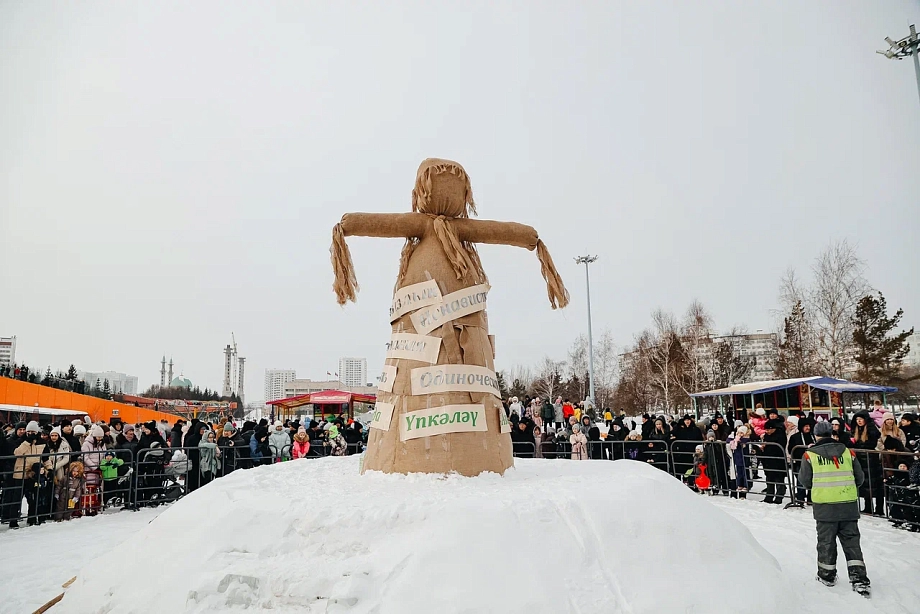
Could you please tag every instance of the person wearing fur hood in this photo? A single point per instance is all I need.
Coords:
(280, 442)
(93, 454)
(69, 492)
(301, 446)
(579, 443)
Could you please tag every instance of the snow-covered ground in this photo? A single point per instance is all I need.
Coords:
(313, 536)
(36, 561)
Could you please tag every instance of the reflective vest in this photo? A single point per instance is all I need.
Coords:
(832, 478)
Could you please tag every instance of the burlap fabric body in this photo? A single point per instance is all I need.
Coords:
(440, 245)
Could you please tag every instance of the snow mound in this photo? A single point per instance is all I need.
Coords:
(549, 536)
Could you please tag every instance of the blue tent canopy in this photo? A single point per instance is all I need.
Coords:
(822, 383)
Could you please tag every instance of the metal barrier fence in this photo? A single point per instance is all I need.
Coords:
(45, 482)
(153, 476)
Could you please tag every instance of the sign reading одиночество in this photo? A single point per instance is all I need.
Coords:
(454, 378)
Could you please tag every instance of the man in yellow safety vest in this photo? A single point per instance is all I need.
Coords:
(833, 474)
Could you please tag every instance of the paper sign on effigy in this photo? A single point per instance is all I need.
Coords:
(414, 347)
(503, 420)
(440, 420)
(387, 378)
(383, 413)
(413, 297)
(454, 305)
(454, 378)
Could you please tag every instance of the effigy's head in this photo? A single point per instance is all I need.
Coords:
(442, 187)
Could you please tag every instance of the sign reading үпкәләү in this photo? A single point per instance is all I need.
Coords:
(441, 420)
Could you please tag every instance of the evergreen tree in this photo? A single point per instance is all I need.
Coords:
(48, 377)
(97, 388)
(502, 385)
(106, 390)
(518, 389)
(71, 373)
(796, 355)
(878, 352)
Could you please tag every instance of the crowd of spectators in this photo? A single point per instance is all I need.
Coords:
(75, 468)
(724, 456)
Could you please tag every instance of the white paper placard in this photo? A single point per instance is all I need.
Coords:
(387, 378)
(413, 297)
(414, 347)
(454, 378)
(454, 305)
(441, 420)
(383, 414)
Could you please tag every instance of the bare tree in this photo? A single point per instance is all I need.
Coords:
(696, 343)
(578, 367)
(605, 369)
(548, 381)
(663, 354)
(838, 287)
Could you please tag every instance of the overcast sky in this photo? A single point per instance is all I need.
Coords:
(171, 172)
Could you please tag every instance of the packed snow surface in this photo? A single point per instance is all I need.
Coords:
(549, 536)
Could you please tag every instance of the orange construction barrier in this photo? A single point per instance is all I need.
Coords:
(16, 392)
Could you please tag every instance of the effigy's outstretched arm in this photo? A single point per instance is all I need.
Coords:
(518, 235)
(392, 225)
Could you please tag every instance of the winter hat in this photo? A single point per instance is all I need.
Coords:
(333, 431)
(742, 431)
(888, 416)
(96, 431)
(129, 427)
(278, 425)
(738, 423)
(760, 412)
(823, 429)
(699, 448)
(909, 417)
(33, 427)
(57, 430)
(152, 425)
(229, 428)
(79, 430)
(775, 423)
(75, 422)
(299, 430)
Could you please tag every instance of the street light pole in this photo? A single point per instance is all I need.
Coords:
(586, 260)
(907, 46)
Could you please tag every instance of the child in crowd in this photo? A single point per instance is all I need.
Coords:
(70, 492)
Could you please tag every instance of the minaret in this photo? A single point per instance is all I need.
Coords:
(228, 351)
(239, 389)
(169, 382)
(163, 372)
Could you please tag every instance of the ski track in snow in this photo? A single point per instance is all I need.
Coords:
(584, 562)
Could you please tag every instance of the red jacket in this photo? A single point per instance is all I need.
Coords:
(300, 449)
